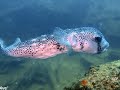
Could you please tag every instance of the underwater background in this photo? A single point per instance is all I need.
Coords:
(31, 18)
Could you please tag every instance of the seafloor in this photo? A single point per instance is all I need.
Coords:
(102, 77)
(50, 74)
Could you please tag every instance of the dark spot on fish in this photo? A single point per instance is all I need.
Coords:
(59, 47)
(82, 46)
(33, 54)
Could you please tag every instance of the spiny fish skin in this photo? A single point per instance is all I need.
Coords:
(85, 39)
(36, 48)
(82, 39)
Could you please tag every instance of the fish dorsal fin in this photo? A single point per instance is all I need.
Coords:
(58, 33)
(74, 39)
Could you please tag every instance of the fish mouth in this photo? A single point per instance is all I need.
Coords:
(103, 48)
(99, 49)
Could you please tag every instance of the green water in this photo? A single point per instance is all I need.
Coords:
(60, 71)
(49, 74)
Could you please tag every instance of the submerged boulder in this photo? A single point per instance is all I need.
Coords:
(102, 77)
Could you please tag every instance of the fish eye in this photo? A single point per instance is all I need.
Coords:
(98, 39)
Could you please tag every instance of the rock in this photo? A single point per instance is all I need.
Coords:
(102, 77)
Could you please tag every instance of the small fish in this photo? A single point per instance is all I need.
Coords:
(42, 47)
(84, 39)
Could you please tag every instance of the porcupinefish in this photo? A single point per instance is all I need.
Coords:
(41, 47)
(84, 39)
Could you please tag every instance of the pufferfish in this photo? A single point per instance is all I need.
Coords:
(41, 47)
(84, 39)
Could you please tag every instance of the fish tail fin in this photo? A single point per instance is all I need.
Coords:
(5, 48)
(2, 45)
(16, 42)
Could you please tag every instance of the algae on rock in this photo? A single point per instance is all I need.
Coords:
(102, 77)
